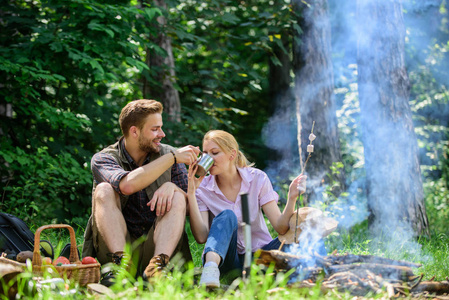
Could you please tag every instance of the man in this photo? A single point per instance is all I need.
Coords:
(139, 190)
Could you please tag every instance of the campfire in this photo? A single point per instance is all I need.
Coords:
(358, 274)
(361, 275)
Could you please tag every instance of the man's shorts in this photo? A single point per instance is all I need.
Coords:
(143, 248)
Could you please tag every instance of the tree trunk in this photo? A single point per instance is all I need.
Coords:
(394, 186)
(162, 69)
(315, 97)
(281, 128)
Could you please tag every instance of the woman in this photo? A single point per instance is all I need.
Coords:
(219, 194)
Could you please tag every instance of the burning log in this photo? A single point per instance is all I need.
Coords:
(386, 271)
(333, 264)
(281, 260)
(311, 274)
(358, 274)
(343, 277)
(433, 287)
(351, 258)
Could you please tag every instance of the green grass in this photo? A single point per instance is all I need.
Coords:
(195, 248)
(179, 284)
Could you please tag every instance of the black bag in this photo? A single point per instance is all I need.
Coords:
(15, 236)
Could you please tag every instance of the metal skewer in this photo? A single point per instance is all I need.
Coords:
(247, 237)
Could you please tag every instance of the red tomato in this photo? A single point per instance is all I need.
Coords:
(88, 260)
(61, 261)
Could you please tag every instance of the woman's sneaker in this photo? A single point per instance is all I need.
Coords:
(210, 276)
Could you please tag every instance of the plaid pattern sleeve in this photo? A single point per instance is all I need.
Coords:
(106, 169)
(179, 176)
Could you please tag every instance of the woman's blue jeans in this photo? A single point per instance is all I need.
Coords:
(222, 240)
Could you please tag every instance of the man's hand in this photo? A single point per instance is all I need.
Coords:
(188, 154)
(163, 198)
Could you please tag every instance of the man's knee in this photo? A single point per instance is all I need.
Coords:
(176, 213)
(105, 195)
(179, 203)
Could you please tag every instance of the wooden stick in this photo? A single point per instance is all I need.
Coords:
(432, 287)
(303, 168)
(418, 282)
(282, 245)
(305, 164)
(310, 153)
(297, 217)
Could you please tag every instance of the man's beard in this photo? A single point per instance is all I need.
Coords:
(146, 145)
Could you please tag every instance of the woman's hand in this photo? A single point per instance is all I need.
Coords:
(297, 187)
(199, 221)
(194, 182)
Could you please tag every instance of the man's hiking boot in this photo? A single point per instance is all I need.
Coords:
(110, 270)
(156, 265)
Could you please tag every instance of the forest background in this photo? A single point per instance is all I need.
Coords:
(68, 67)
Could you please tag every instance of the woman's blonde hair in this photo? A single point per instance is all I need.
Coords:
(227, 143)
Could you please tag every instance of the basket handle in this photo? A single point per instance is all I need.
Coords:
(74, 258)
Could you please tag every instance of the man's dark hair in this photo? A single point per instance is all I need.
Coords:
(135, 113)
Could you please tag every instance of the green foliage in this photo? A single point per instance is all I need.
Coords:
(429, 102)
(70, 66)
(195, 248)
(57, 63)
(177, 285)
(222, 50)
(437, 205)
(67, 68)
(428, 72)
(182, 280)
(348, 117)
(436, 263)
(47, 187)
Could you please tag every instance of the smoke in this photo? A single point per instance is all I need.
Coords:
(351, 208)
(279, 134)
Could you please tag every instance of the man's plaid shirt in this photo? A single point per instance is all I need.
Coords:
(138, 216)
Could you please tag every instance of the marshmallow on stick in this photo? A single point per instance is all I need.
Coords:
(312, 137)
(310, 147)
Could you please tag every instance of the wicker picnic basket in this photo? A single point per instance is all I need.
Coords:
(82, 273)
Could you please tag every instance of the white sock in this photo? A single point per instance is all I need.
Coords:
(211, 263)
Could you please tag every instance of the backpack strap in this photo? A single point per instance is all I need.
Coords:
(15, 236)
